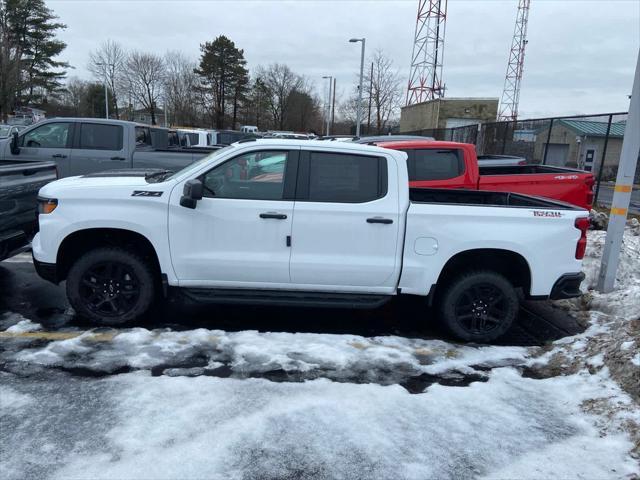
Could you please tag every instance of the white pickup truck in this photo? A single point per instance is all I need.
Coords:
(304, 223)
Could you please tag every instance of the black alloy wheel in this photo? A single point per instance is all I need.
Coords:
(479, 306)
(110, 289)
(111, 285)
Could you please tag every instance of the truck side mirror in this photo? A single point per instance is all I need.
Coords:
(191, 193)
(15, 149)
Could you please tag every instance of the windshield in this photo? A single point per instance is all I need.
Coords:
(4, 130)
(198, 163)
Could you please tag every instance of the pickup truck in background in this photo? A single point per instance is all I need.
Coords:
(305, 222)
(437, 164)
(84, 145)
(19, 186)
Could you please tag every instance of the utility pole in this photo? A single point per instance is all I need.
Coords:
(333, 104)
(327, 110)
(359, 114)
(622, 190)
(370, 90)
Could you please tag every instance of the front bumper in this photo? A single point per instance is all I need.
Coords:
(48, 271)
(567, 286)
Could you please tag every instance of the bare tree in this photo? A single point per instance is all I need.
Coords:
(179, 88)
(74, 94)
(280, 81)
(108, 62)
(384, 90)
(145, 75)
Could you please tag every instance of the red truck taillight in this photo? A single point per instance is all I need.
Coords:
(582, 224)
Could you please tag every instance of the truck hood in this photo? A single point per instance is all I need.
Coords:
(103, 181)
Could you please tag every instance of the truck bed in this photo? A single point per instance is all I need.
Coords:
(480, 197)
(526, 170)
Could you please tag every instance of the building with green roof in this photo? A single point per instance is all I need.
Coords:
(580, 143)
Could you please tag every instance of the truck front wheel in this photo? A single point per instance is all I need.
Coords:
(110, 286)
(479, 306)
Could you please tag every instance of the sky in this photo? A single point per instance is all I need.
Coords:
(580, 57)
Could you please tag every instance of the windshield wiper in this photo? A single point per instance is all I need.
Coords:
(158, 175)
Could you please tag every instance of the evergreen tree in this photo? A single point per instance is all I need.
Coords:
(28, 50)
(223, 77)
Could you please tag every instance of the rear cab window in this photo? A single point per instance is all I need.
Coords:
(143, 137)
(96, 136)
(434, 164)
(341, 178)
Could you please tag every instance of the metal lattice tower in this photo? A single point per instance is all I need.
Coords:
(511, 94)
(425, 78)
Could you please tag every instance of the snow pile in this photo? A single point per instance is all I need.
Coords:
(24, 326)
(251, 353)
(611, 343)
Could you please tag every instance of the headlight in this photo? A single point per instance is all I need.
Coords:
(46, 205)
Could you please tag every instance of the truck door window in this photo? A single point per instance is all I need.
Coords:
(255, 176)
(96, 136)
(50, 135)
(432, 164)
(143, 137)
(343, 178)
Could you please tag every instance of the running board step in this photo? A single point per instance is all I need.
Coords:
(285, 298)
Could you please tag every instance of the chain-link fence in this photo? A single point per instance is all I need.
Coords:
(587, 142)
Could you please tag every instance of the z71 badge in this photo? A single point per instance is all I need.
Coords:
(546, 213)
(146, 193)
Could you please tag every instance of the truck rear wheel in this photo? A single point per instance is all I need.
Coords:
(479, 306)
(110, 286)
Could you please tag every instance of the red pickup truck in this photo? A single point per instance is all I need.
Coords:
(437, 164)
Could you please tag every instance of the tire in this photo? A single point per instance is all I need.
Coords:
(479, 306)
(110, 286)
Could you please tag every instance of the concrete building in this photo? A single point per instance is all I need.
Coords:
(580, 143)
(448, 113)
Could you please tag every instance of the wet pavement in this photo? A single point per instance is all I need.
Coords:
(25, 293)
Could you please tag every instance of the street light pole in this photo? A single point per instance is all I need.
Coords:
(328, 103)
(359, 114)
(106, 90)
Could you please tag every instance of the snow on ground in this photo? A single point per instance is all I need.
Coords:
(20, 258)
(609, 347)
(198, 403)
(138, 426)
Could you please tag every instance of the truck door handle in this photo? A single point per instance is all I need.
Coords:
(58, 155)
(274, 215)
(386, 221)
(118, 158)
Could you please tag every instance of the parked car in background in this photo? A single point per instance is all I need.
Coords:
(374, 139)
(194, 138)
(19, 186)
(84, 145)
(227, 137)
(7, 130)
(273, 221)
(249, 129)
(437, 164)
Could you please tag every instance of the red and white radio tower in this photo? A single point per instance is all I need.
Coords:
(425, 78)
(511, 94)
